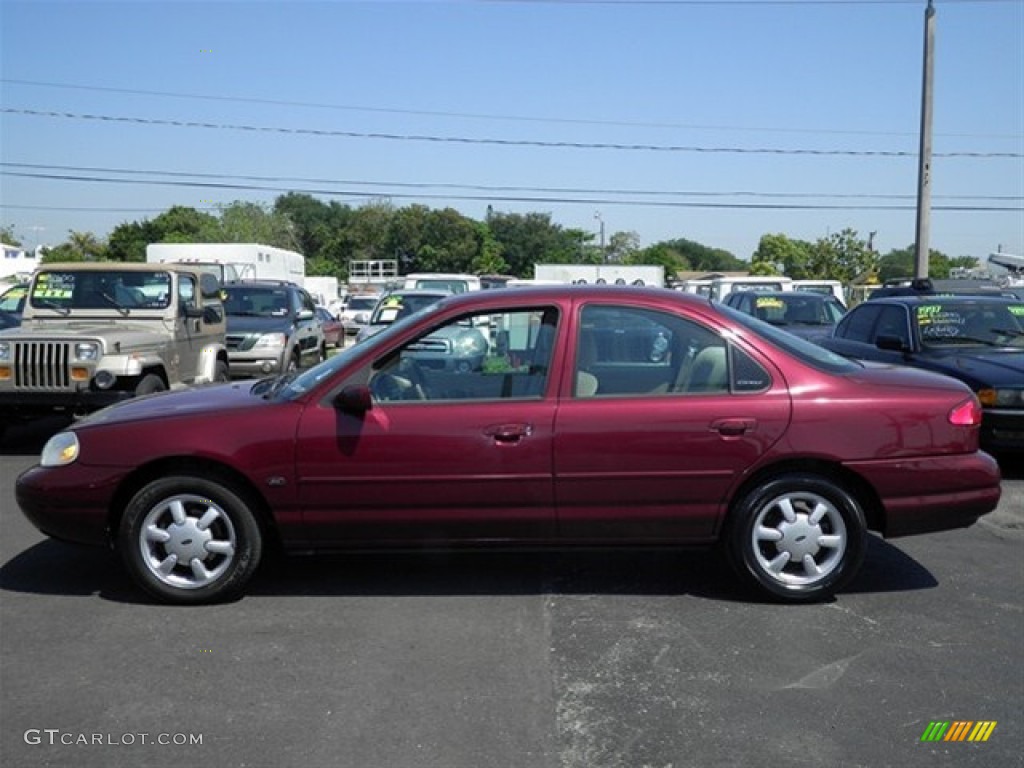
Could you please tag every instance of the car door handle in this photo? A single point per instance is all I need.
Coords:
(733, 427)
(508, 433)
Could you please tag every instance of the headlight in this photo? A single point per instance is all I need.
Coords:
(271, 341)
(1005, 398)
(87, 351)
(60, 450)
(5, 351)
(470, 345)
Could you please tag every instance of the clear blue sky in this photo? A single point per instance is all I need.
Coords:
(513, 89)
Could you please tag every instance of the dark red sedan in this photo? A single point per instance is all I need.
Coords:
(595, 416)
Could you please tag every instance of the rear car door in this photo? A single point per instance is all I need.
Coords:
(655, 463)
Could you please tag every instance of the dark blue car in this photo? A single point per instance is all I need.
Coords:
(977, 339)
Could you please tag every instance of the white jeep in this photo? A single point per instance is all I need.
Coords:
(94, 333)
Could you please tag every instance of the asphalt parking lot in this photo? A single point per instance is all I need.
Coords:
(622, 660)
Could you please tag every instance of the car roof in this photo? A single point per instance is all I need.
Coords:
(925, 298)
(426, 292)
(261, 284)
(802, 295)
(581, 292)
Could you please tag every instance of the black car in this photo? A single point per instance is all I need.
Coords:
(977, 339)
(803, 313)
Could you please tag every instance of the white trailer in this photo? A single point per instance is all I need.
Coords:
(247, 260)
(612, 274)
(323, 289)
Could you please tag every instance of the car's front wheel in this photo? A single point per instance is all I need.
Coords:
(186, 539)
(797, 537)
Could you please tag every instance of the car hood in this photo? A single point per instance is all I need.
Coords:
(245, 324)
(211, 399)
(994, 367)
(123, 331)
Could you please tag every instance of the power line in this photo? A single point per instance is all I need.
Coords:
(483, 116)
(595, 200)
(491, 187)
(502, 142)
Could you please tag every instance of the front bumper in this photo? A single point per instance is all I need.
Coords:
(78, 401)
(69, 503)
(245, 365)
(1002, 429)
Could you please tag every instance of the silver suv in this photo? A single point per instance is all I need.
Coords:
(272, 328)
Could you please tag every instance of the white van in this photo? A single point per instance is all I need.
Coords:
(441, 281)
(723, 286)
(828, 287)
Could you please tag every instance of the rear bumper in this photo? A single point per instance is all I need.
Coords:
(932, 494)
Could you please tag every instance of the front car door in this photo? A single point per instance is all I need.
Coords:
(455, 446)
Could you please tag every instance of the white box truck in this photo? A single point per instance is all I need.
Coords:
(240, 261)
(612, 274)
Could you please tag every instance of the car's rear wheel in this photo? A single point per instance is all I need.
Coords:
(797, 537)
(186, 539)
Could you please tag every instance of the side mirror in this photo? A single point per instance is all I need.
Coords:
(304, 314)
(354, 400)
(191, 311)
(891, 344)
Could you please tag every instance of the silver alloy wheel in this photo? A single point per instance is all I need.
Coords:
(187, 541)
(798, 538)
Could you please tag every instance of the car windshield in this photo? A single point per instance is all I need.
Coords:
(805, 351)
(297, 386)
(797, 309)
(361, 303)
(950, 322)
(251, 301)
(13, 298)
(123, 290)
(400, 305)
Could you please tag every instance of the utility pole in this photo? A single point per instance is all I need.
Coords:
(924, 169)
(600, 218)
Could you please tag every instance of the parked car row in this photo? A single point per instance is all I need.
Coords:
(971, 334)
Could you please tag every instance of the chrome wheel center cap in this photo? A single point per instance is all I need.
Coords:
(799, 538)
(187, 541)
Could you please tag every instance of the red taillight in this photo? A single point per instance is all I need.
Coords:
(967, 414)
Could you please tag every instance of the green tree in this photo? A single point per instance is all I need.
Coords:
(706, 259)
(242, 222)
(85, 246)
(670, 259)
(181, 224)
(622, 247)
(489, 260)
(7, 236)
(841, 256)
(128, 241)
(900, 263)
(791, 256)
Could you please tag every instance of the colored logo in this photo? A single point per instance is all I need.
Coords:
(958, 730)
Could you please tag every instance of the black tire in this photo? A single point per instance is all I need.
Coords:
(221, 373)
(149, 384)
(196, 519)
(293, 363)
(797, 537)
